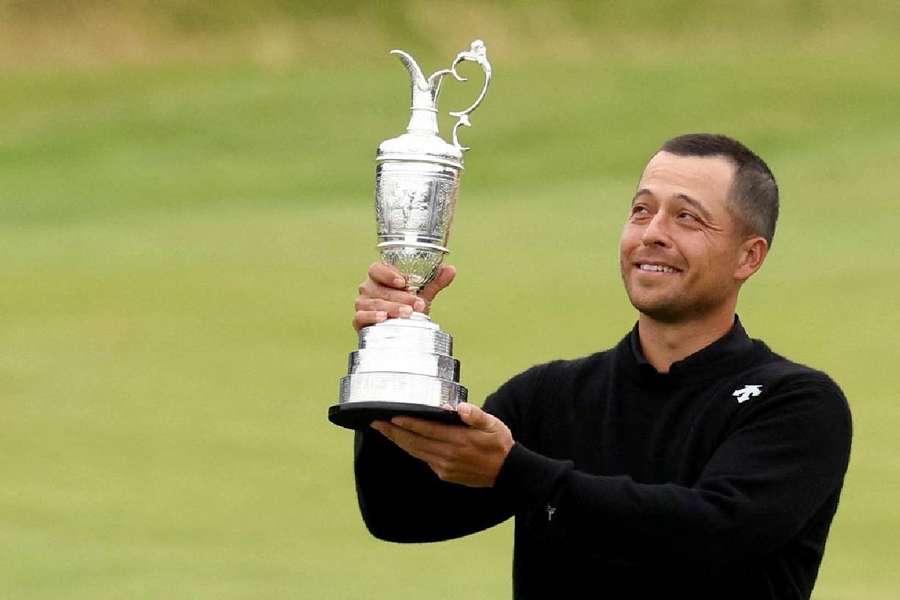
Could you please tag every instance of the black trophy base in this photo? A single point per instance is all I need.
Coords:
(358, 415)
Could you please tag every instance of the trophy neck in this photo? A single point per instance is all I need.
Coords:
(423, 121)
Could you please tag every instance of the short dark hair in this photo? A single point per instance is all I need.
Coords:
(754, 192)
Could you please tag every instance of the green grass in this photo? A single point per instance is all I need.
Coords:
(180, 247)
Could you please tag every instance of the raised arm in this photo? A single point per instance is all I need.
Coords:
(405, 499)
(401, 499)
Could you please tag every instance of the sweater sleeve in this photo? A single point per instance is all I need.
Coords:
(782, 461)
(402, 500)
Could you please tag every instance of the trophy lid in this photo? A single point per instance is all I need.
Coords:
(421, 141)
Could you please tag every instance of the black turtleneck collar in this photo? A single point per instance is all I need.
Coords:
(732, 350)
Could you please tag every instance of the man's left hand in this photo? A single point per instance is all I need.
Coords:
(469, 455)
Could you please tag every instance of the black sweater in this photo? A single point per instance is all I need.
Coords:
(628, 483)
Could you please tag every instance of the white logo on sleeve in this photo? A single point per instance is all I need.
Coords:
(747, 392)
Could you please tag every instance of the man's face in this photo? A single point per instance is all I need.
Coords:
(681, 246)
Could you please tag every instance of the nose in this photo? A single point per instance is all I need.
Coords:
(656, 232)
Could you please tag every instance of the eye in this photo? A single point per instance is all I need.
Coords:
(686, 216)
(639, 210)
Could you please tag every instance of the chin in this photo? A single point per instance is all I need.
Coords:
(676, 310)
(666, 310)
(663, 314)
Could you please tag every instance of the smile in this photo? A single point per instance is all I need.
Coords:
(648, 268)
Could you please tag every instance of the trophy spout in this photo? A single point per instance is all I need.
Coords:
(424, 95)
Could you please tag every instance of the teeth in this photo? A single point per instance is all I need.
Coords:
(656, 268)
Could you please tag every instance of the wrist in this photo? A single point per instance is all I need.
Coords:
(505, 449)
(528, 479)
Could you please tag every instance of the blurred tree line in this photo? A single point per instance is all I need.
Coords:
(290, 31)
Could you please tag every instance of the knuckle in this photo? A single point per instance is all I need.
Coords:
(380, 272)
(364, 303)
(403, 298)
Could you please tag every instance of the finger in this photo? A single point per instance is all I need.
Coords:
(428, 429)
(372, 289)
(386, 275)
(444, 278)
(415, 445)
(393, 309)
(473, 416)
(364, 318)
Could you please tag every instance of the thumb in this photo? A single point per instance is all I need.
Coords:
(473, 416)
(444, 278)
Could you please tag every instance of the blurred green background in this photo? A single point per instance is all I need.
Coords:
(186, 210)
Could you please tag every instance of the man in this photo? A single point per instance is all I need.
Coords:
(688, 460)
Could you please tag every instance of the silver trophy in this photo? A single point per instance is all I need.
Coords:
(405, 366)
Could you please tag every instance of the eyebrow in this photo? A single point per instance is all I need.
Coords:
(683, 197)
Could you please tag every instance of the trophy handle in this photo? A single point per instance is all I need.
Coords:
(476, 53)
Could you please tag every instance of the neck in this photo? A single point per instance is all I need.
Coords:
(664, 343)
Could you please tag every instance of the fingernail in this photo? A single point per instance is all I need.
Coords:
(420, 305)
(380, 315)
(399, 282)
(464, 409)
(405, 311)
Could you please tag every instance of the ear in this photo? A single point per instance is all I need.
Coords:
(751, 255)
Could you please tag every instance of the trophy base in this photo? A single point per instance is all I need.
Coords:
(358, 415)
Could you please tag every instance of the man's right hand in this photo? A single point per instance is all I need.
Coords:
(384, 294)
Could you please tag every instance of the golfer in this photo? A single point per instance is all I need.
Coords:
(689, 459)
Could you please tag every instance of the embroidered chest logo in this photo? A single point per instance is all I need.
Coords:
(745, 393)
(550, 510)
